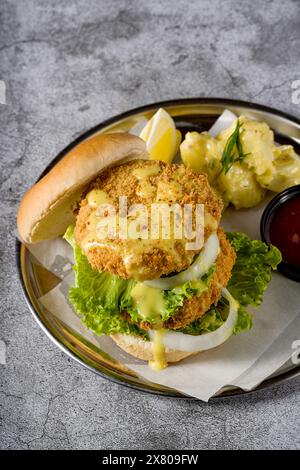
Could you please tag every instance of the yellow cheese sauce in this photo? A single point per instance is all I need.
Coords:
(104, 231)
(143, 174)
(130, 250)
(158, 352)
(146, 189)
(133, 251)
(109, 230)
(96, 197)
(148, 301)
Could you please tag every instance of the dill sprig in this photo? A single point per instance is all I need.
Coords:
(229, 156)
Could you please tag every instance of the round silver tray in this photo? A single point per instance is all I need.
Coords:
(189, 114)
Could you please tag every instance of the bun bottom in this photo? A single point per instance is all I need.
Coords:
(141, 349)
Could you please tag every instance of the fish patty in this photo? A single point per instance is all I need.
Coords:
(146, 182)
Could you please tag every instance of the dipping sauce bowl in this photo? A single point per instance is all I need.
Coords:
(280, 225)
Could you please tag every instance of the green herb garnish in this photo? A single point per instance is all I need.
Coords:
(233, 151)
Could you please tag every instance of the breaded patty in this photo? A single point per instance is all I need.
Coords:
(197, 306)
(145, 182)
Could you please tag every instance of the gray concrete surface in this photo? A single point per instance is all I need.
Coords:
(67, 66)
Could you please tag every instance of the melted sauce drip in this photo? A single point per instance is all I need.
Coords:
(285, 230)
(158, 351)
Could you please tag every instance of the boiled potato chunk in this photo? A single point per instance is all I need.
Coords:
(200, 152)
(286, 172)
(239, 187)
(258, 144)
(257, 141)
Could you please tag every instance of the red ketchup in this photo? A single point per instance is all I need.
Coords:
(284, 230)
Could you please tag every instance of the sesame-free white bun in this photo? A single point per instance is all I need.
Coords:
(141, 349)
(46, 210)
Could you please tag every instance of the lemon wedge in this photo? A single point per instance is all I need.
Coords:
(161, 136)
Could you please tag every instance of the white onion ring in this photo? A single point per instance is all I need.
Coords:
(203, 263)
(189, 343)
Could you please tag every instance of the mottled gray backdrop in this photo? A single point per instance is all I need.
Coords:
(67, 66)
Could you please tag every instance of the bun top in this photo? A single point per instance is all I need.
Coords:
(47, 208)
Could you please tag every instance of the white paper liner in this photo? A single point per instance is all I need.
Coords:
(244, 360)
(277, 355)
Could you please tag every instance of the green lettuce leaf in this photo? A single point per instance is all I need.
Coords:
(252, 270)
(244, 321)
(96, 296)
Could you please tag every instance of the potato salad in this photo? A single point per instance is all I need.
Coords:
(242, 162)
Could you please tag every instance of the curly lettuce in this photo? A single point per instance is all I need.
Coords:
(252, 270)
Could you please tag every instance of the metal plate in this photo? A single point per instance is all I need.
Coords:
(189, 114)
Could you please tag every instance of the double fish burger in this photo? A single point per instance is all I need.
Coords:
(156, 286)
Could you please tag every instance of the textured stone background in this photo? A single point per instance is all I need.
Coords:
(67, 66)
